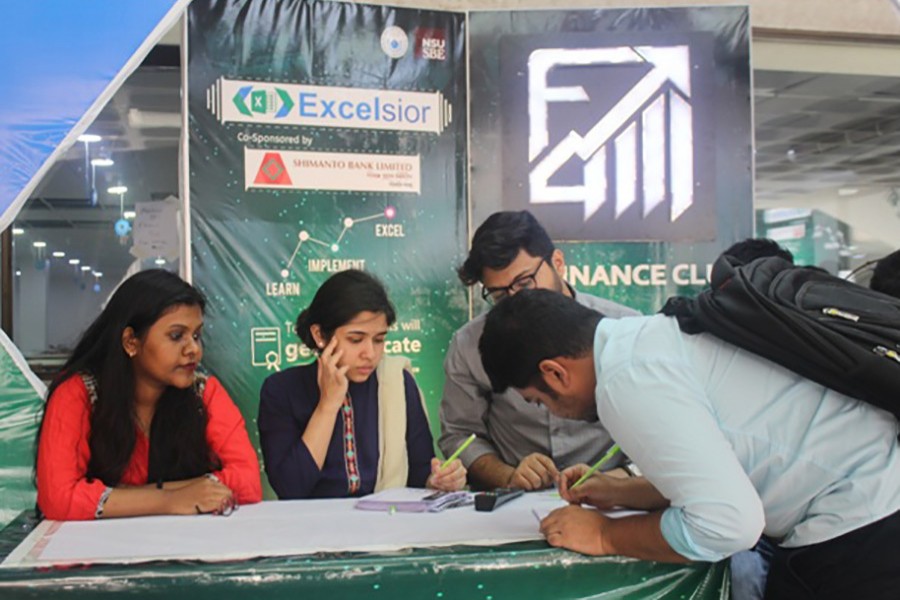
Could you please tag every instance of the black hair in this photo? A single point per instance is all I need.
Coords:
(886, 275)
(178, 446)
(531, 326)
(750, 249)
(343, 296)
(499, 239)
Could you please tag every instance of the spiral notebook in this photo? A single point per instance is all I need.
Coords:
(413, 500)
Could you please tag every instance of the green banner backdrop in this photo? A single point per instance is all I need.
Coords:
(21, 401)
(324, 136)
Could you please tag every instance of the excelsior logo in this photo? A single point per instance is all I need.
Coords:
(275, 101)
(323, 106)
(272, 171)
(647, 134)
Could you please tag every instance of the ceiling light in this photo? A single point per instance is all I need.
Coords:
(18, 273)
(39, 244)
(89, 138)
(102, 162)
(847, 191)
(117, 189)
(98, 274)
(85, 268)
(129, 214)
(59, 254)
(160, 261)
(18, 231)
(74, 261)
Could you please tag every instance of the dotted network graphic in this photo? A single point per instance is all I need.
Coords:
(389, 213)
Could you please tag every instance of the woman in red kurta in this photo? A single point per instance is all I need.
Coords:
(130, 429)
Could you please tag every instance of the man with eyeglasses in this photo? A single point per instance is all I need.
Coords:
(517, 444)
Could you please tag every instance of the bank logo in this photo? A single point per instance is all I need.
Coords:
(332, 171)
(394, 42)
(640, 149)
(291, 104)
(431, 43)
(272, 171)
(275, 101)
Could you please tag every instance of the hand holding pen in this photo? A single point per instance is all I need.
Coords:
(596, 491)
(449, 475)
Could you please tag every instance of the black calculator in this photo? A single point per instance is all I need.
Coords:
(488, 501)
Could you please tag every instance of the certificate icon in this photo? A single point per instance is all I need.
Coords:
(265, 347)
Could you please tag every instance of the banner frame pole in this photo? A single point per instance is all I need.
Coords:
(184, 164)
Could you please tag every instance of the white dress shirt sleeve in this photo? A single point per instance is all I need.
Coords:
(659, 413)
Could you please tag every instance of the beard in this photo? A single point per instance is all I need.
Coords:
(591, 416)
(570, 405)
(558, 285)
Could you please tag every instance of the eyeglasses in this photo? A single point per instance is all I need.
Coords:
(524, 282)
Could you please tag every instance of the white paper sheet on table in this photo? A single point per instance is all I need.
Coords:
(413, 500)
(276, 529)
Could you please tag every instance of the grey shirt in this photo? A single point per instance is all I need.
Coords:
(505, 424)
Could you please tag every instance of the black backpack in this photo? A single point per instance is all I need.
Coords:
(827, 329)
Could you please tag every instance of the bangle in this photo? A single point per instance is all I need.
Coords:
(212, 477)
(632, 469)
(102, 503)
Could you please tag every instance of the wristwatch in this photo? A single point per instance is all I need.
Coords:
(632, 469)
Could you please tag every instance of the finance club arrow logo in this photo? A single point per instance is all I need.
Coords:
(654, 116)
(611, 142)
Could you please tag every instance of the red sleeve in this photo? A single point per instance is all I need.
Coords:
(227, 437)
(64, 494)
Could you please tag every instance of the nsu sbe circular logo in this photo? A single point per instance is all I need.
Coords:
(394, 42)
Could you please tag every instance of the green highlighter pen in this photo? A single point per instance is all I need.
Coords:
(459, 450)
(609, 454)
